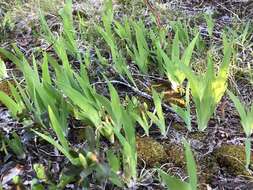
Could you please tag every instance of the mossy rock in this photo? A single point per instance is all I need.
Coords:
(233, 159)
(150, 151)
(175, 154)
(208, 167)
(155, 153)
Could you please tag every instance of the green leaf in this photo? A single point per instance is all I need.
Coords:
(191, 166)
(224, 68)
(159, 111)
(40, 171)
(142, 120)
(10, 56)
(17, 97)
(45, 71)
(10, 104)
(58, 146)
(16, 146)
(239, 107)
(210, 24)
(3, 70)
(115, 105)
(184, 114)
(86, 106)
(175, 53)
(207, 89)
(83, 160)
(248, 152)
(173, 183)
(189, 50)
(113, 160)
(245, 33)
(58, 129)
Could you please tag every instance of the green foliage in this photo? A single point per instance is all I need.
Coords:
(69, 33)
(246, 116)
(114, 161)
(122, 124)
(139, 113)
(14, 107)
(53, 92)
(107, 34)
(184, 113)
(38, 92)
(173, 183)
(7, 23)
(210, 24)
(158, 118)
(88, 110)
(182, 28)
(242, 39)
(3, 70)
(68, 39)
(172, 64)
(208, 89)
(124, 30)
(128, 148)
(140, 52)
(40, 171)
(63, 146)
(16, 145)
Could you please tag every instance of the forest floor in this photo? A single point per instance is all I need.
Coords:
(219, 150)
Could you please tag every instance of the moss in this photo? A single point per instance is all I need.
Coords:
(155, 153)
(209, 168)
(232, 158)
(124, 2)
(4, 86)
(150, 151)
(179, 127)
(175, 154)
(197, 135)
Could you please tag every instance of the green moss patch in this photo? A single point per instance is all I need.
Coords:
(150, 151)
(154, 153)
(232, 158)
(4, 86)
